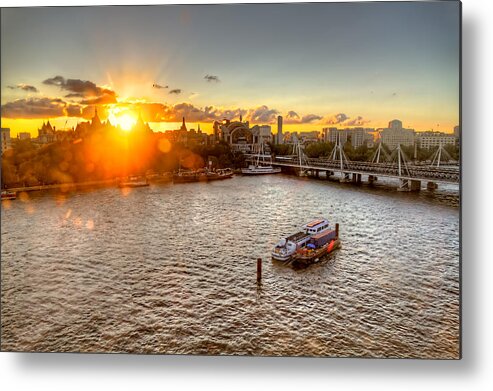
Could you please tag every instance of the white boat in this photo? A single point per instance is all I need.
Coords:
(259, 170)
(134, 182)
(261, 167)
(287, 247)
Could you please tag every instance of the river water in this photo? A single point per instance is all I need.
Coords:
(172, 269)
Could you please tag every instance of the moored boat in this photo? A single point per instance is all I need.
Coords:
(261, 166)
(202, 175)
(320, 244)
(8, 195)
(287, 248)
(133, 182)
(260, 170)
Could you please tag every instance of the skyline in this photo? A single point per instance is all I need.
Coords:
(317, 65)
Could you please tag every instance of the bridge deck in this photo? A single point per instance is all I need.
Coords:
(391, 170)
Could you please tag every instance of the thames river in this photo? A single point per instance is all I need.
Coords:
(172, 269)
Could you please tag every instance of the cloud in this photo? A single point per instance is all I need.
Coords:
(293, 118)
(84, 89)
(262, 114)
(358, 121)
(158, 86)
(55, 81)
(99, 100)
(24, 87)
(292, 115)
(159, 112)
(211, 78)
(32, 108)
(176, 91)
(336, 119)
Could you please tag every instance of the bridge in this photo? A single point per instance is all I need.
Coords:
(397, 166)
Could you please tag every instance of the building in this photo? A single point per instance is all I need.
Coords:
(279, 136)
(46, 134)
(357, 136)
(5, 139)
(432, 140)
(24, 136)
(309, 137)
(396, 135)
(240, 136)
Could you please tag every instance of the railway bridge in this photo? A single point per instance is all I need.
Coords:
(397, 166)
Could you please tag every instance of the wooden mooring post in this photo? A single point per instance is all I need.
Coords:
(259, 270)
(337, 230)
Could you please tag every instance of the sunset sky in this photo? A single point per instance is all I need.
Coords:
(317, 65)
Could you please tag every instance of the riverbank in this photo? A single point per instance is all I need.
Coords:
(65, 186)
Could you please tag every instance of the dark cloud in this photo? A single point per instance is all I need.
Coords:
(176, 91)
(159, 112)
(358, 121)
(158, 86)
(211, 78)
(55, 81)
(293, 118)
(262, 114)
(84, 89)
(99, 100)
(40, 108)
(336, 119)
(74, 95)
(292, 115)
(24, 87)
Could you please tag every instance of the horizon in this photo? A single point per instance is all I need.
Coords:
(365, 64)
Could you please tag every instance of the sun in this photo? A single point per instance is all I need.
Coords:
(126, 121)
(123, 118)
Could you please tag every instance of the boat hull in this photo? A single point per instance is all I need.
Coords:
(246, 171)
(126, 184)
(307, 257)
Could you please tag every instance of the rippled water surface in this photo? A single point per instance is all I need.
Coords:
(172, 269)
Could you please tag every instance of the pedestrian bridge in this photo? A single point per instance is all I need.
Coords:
(337, 165)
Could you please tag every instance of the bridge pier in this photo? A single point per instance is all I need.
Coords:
(356, 178)
(431, 186)
(317, 174)
(415, 185)
(409, 185)
(345, 177)
(371, 179)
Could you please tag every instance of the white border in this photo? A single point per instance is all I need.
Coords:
(473, 372)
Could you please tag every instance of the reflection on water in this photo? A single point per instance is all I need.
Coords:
(172, 269)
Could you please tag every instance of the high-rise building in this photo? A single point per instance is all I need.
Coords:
(280, 138)
(357, 136)
(5, 139)
(396, 135)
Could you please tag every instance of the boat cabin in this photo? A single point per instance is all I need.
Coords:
(316, 226)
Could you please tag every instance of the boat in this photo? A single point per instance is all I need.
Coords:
(260, 170)
(8, 195)
(287, 248)
(220, 174)
(185, 177)
(133, 182)
(320, 244)
(202, 175)
(261, 167)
